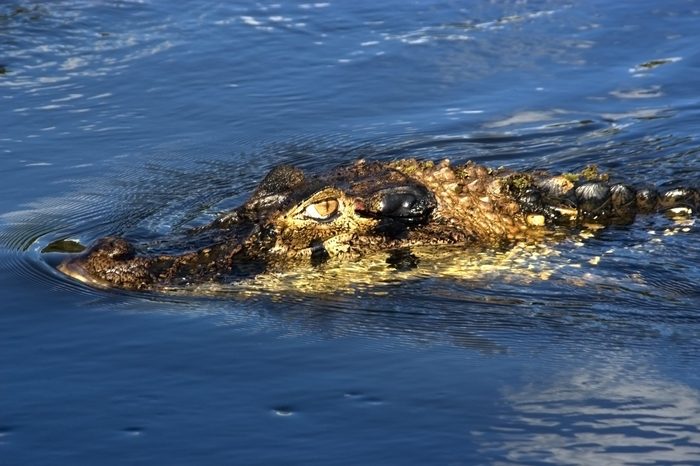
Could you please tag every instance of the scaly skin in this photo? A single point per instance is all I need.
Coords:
(352, 211)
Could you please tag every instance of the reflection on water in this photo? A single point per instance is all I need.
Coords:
(617, 412)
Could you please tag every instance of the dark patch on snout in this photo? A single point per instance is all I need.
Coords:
(319, 254)
(392, 228)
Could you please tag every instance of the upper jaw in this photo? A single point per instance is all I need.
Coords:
(74, 267)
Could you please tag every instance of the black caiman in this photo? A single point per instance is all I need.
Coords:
(295, 219)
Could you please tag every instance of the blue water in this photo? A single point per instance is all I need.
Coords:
(135, 117)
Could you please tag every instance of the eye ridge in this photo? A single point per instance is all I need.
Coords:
(322, 210)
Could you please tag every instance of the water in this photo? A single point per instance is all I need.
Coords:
(139, 117)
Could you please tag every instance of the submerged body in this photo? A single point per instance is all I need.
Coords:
(293, 219)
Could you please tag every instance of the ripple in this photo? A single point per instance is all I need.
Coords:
(283, 411)
(133, 431)
(456, 31)
(56, 50)
(652, 64)
(651, 92)
(587, 290)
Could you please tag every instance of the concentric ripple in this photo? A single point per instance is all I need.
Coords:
(598, 281)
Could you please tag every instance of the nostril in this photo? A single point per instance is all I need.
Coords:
(114, 248)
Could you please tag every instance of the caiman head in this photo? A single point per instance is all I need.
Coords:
(290, 219)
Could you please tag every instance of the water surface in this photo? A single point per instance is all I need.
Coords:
(139, 117)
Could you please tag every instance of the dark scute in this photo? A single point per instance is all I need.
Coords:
(410, 202)
(554, 195)
(398, 204)
(679, 197)
(624, 199)
(647, 200)
(531, 200)
(552, 187)
(593, 199)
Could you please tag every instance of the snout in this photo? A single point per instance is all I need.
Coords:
(74, 267)
(107, 263)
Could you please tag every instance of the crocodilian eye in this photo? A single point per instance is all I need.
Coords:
(322, 210)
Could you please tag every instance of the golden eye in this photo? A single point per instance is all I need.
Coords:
(322, 210)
